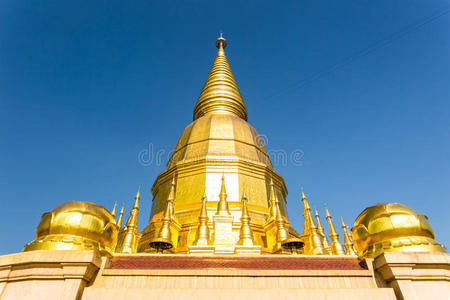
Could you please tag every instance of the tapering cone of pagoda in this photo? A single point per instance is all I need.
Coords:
(220, 94)
(202, 237)
(245, 234)
(336, 246)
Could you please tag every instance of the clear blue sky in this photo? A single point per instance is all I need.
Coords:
(361, 87)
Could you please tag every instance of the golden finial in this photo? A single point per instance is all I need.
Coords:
(113, 212)
(221, 42)
(245, 234)
(138, 196)
(128, 236)
(222, 206)
(347, 241)
(303, 195)
(220, 94)
(202, 237)
(336, 246)
(119, 220)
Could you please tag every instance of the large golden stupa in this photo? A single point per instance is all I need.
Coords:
(219, 229)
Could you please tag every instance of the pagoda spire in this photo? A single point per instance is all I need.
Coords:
(325, 242)
(128, 236)
(119, 220)
(246, 234)
(336, 246)
(163, 240)
(347, 240)
(282, 233)
(222, 206)
(220, 94)
(171, 198)
(113, 212)
(202, 237)
(272, 208)
(315, 240)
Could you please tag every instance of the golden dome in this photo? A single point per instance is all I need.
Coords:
(393, 227)
(220, 136)
(76, 225)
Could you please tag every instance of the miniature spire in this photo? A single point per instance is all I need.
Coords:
(113, 212)
(315, 239)
(336, 246)
(272, 208)
(202, 237)
(164, 239)
(282, 233)
(119, 220)
(127, 240)
(220, 94)
(222, 206)
(325, 242)
(171, 197)
(347, 241)
(246, 234)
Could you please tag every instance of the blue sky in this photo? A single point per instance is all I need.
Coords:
(360, 87)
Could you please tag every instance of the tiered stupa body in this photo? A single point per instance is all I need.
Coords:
(218, 142)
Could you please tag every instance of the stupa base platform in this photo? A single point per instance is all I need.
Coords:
(85, 275)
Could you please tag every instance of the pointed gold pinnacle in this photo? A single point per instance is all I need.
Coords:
(222, 206)
(202, 237)
(245, 234)
(336, 246)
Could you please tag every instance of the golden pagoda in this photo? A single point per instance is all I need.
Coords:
(218, 143)
(219, 229)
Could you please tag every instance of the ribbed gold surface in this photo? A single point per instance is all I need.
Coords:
(393, 227)
(220, 94)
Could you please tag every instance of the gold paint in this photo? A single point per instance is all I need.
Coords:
(312, 236)
(76, 225)
(129, 236)
(113, 212)
(164, 239)
(246, 234)
(393, 227)
(222, 206)
(326, 244)
(119, 220)
(218, 144)
(336, 246)
(203, 235)
(348, 243)
(220, 94)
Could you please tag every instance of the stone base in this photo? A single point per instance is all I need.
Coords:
(248, 250)
(201, 250)
(224, 249)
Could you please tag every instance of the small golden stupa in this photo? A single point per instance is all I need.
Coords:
(76, 225)
(393, 227)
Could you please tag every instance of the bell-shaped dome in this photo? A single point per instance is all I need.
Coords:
(76, 225)
(393, 227)
(220, 136)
